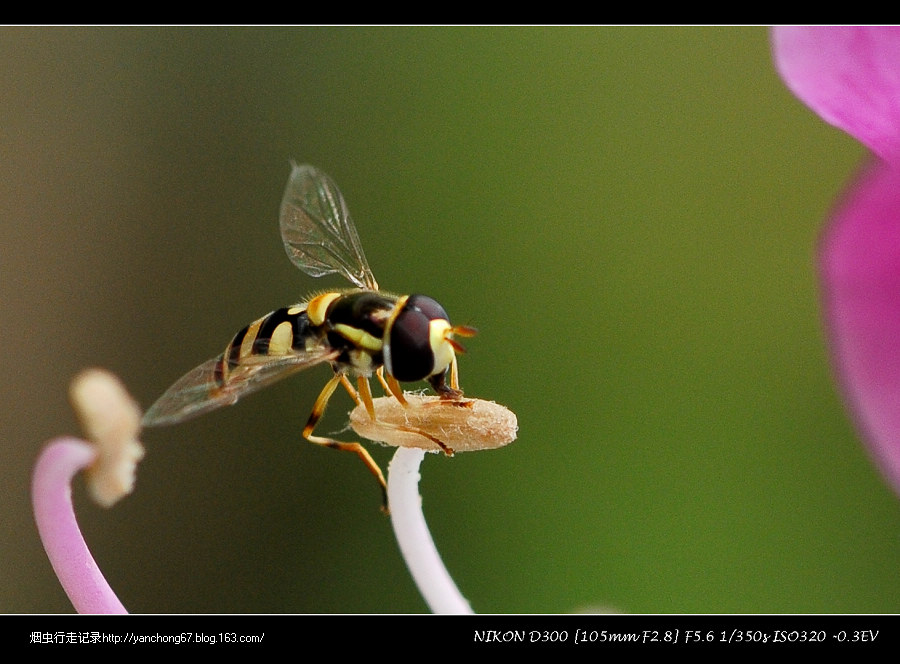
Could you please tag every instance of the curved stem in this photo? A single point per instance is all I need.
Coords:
(54, 513)
(416, 544)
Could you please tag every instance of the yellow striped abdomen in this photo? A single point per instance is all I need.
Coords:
(278, 333)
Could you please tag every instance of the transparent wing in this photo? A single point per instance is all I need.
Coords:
(317, 231)
(198, 392)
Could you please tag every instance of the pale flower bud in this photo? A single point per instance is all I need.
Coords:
(111, 421)
(463, 425)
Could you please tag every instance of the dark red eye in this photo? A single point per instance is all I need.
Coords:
(411, 353)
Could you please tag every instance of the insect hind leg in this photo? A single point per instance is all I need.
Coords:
(356, 448)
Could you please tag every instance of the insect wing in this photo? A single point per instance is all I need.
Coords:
(318, 233)
(199, 392)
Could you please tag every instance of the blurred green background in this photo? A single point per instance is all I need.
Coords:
(628, 215)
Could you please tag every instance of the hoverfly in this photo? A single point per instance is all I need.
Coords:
(360, 331)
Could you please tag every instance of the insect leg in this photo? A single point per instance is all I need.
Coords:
(392, 387)
(454, 374)
(349, 387)
(365, 394)
(356, 448)
(408, 429)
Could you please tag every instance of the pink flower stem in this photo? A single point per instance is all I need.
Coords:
(54, 513)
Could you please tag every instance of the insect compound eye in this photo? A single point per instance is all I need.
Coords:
(416, 339)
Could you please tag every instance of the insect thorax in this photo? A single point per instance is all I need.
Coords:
(355, 324)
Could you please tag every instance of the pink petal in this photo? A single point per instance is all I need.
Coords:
(850, 76)
(860, 272)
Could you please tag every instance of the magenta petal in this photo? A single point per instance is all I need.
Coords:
(850, 76)
(860, 272)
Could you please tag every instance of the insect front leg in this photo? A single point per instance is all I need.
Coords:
(446, 392)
